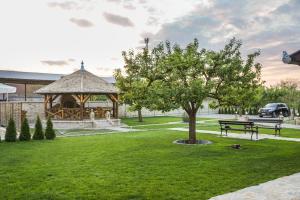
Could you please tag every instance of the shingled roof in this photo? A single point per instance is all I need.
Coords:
(79, 82)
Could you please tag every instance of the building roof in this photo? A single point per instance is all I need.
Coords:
(7, 76)
(79, 82)
(293, 58)
(27, 77)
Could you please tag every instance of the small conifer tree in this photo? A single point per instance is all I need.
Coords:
(38, 132)
(11, 132)
(49, 132)
(250, 111)
(294, 112)
(225, 110)
(25, 131)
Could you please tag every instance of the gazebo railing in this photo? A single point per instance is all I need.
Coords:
(75, 113)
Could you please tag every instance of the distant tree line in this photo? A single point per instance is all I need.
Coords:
(287, 91)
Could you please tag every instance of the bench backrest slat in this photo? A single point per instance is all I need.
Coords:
(236, 122)
(275, 121)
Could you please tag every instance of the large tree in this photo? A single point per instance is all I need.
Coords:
(133, 83)
(184, 77)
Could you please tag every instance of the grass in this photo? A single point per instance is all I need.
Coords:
(84, 131)
(206, 124)
(150, 120)
(285, 132)
(141, 165)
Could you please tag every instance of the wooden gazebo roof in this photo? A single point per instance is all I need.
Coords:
(79, 82)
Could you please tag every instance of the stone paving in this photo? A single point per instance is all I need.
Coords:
(284, 188)
(241, 136)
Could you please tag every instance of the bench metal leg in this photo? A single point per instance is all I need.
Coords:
(256, 133)
(226, 132)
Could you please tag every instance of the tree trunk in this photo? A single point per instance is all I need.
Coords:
(192, 127)
(140, 115)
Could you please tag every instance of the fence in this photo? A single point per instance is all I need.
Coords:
(11, 110)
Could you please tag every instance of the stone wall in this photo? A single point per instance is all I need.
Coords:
(124, 111)
(33, 109)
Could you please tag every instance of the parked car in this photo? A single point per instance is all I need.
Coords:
(274, 110)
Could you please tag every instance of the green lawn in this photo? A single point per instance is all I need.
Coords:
(139, 165)
(285, 132)
(209, 124)
(133, 121)
(151, 120)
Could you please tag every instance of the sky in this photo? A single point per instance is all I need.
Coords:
(53, 36)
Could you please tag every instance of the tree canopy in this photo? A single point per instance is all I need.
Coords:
(134, 85)
(183, 77)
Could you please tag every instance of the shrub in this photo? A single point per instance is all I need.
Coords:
(250, 111)
(232, 110)
(185, 117)
(11, 132)
(294, 111)
(220, 110)
(38, 132)
(225, 110)
(49, 132)
(25, 131)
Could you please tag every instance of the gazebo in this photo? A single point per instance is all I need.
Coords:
(65, 99)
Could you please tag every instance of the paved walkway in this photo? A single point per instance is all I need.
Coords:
(284, 188)
(241, 136)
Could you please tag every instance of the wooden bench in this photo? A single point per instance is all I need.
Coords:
(246, 126)
(277, 124)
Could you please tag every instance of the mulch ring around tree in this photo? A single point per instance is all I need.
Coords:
(187, 142)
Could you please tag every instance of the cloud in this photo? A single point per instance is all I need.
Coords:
(54, 62)
(82, 22)
(271, 27)
(142, 1)
(114, 1)
(71, 60)
(67, 5)
(152, 21)
(129, 6)
(118, 20)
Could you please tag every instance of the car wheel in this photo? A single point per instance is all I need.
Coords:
(285, 114)
(260, 115)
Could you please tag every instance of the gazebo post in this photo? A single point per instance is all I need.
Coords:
(51, 100)
(81, 106)
(114, 109)
(117, 107)
(45, 105)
